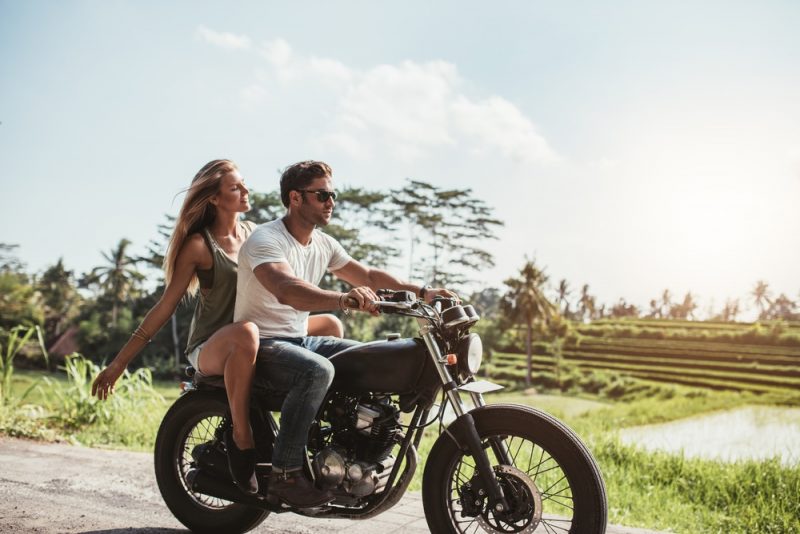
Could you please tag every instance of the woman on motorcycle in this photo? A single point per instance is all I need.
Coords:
(202, 255)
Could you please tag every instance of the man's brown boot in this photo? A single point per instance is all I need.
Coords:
(293, 488)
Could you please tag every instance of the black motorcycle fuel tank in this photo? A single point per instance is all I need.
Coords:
(394, 366)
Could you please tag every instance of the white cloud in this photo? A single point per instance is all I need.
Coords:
(230, 41)
(277, 52)
(410, 109)
(289, 67)
(496, 122)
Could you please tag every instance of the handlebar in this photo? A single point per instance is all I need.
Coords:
(388, 301)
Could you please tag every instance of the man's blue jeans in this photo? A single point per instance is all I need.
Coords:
(300, 367)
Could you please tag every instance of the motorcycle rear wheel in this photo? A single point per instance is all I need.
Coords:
(193, 420)
(552, 482)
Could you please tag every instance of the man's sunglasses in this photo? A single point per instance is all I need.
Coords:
(322, 194)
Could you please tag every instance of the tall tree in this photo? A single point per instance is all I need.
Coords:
(761, 297)
(525, 303)
(8, 258)
(586, 304)
(59, 297)
(688, 306)
(782, 308)
(655, 309)
(563, 294)
(20, 303)
(730, 310)
(451, 224)
(666, 303)
(118, 279)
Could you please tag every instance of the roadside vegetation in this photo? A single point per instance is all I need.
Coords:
(693, 495)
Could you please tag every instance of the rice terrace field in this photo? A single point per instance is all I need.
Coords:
(721, 356)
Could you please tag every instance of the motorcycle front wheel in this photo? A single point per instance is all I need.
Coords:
(191, 421)
(548, 477)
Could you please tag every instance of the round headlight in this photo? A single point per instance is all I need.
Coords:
(470, 354)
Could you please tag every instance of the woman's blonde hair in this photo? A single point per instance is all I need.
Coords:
(196, 213)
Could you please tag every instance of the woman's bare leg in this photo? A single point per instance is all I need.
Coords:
(231, 352)
(325, 324)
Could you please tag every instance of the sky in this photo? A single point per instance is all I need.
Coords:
(632, 146)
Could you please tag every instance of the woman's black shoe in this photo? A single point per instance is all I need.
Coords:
(242, 465)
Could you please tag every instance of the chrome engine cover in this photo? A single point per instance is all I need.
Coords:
(353, 477)
(329, 467)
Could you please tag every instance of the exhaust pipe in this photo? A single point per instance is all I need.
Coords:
(201, 482)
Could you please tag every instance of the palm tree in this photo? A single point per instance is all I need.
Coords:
(686, 309)
(761, 298)
(525, 303)
(586, 303)
(118, 278)
(563, 293)
(655, 309)
(666, 303)
(730, 310)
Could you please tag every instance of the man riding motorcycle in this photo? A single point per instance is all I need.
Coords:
(280, 267)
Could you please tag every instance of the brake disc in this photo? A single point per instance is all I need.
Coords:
(508, 475)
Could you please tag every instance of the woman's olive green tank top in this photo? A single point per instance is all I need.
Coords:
(217, 295)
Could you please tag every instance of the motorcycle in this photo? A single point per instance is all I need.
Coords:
(496, 468)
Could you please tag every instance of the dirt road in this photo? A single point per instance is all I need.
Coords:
(58, 488)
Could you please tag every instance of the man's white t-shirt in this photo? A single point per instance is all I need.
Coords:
(272, 243)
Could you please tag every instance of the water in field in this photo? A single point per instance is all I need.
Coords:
(754, 432)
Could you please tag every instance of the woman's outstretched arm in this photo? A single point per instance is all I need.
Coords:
(193, 255)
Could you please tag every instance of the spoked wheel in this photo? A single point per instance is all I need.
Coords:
(548, 477)
(194, 420)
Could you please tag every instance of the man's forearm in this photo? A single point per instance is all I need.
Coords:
(379, 279)
(306, 297)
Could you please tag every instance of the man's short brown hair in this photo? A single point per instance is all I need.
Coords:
(300, 175)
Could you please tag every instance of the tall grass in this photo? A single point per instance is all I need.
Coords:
(67, 410)
(11, 344)
(78, 407)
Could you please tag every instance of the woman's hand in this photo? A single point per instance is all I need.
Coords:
(103, 385)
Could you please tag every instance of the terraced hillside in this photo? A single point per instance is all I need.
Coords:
(733, 356)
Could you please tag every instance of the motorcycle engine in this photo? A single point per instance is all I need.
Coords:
(357, 459)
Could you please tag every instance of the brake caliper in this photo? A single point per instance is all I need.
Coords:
(472, 498)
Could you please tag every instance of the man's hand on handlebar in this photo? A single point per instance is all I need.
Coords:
(363, 299)
(434, 292)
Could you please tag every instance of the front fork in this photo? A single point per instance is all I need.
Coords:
(471, 442)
